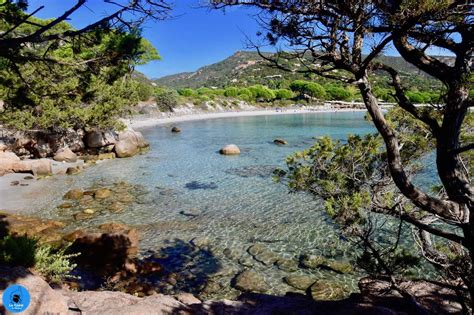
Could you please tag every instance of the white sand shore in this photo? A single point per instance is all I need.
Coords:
(143, 122)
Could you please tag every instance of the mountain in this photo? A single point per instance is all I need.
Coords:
(246, 68)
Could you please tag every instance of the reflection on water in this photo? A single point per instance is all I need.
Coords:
(225, 204)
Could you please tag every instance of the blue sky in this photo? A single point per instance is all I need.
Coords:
(193, 38)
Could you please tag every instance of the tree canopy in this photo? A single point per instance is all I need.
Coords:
(343, 40)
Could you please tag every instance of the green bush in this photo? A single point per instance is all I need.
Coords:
(284, 94)
(338, 93)
(419, 97)
(144, 91)
(18, 251)
(262, 93)
(312, 89)
(54, 265)
(231, 92)
(186, 92)
(166, 99)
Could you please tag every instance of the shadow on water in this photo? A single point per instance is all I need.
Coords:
(194, 185)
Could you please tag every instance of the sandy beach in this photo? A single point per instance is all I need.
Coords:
(143, 122)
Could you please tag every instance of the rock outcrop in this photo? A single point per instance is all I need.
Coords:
(230, 149)
(130, 143)
(65, 155)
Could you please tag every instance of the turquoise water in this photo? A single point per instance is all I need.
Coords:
(224, 202)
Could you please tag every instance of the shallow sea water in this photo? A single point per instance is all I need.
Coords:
(224, 202)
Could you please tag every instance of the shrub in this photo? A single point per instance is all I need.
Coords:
(166, 99)
(338, 93)
(262, 93)
(54, 265)
(231, 92)
(312, 89)
(418, 97)
(186, 92)
(17, 250)
(144, 91)
(283, 94)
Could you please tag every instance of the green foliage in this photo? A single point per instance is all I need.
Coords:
(54, 265)
(338, 93)
(17, 250)
(261, 93)
(311, 89)
(283, 94)
(82, 84)
(231, 92)
(166, 99)
(186, 92)
(419, 97)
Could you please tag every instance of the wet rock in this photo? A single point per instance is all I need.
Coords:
(200, 242)
(98, 138)
(106, 156)
(66, 205)
(73, 170)
(102, 193)
(279, 141)
(36, 167)
(262, 254)
(65, 155)
(15, 183)
(250, 281)
(175, 129)
(83, 216)
(105, 252)
(74, 194)
(129, 144)
(312, 261)
(116, 207)
(124, 198)
(28, 177)
(340, 267)
(246, 262)
(228, 253)
(325, 290)
(230, 149)
(44, 230)
(86, 200)
(299, 282)
(287, 264)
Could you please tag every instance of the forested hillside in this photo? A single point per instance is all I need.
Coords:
(246, 68)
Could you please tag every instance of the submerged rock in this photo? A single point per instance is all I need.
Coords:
(279, 141)
(175, 129)
(325, 290)
(74, 194)
(340, 266)
(286, 264)
(102, 193)
(312, 261)
(250, 281)
(230, 149)
(299, 282)
(263, 254)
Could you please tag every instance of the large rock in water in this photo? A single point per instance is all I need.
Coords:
(99, 138)
(250, 281)
(104, 252)
(130, 142)
(13, 164)
(230, 149)
(65, 155)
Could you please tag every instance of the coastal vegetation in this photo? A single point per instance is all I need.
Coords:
(390, 208)
(368, 179)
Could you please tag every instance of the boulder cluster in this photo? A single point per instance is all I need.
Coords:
(34, 151)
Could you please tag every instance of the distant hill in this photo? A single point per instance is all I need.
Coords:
(246, 68)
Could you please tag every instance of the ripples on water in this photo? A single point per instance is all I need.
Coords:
(228, 201)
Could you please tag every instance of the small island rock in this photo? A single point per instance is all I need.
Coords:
(230, 149)
(175, 129)
(279, 141)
